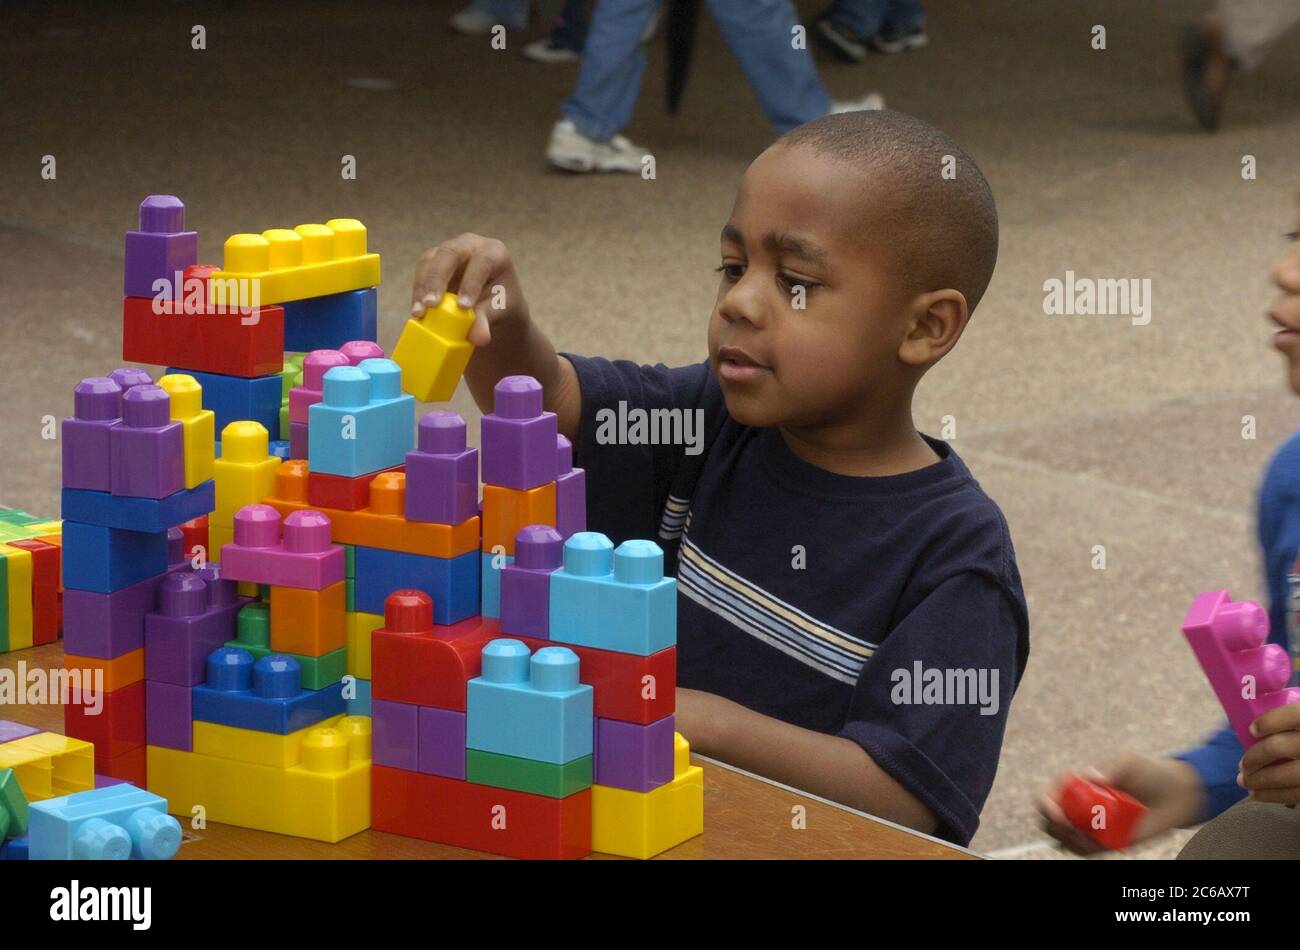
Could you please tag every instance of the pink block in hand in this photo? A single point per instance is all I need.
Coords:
(303, 557)
(1248, 674)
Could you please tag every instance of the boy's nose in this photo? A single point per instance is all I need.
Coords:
(742, 303)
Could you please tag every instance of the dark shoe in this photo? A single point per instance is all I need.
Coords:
(844, 44)
(1207, 70)
(892, 40)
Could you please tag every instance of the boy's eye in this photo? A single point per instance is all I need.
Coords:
(789, 283)
(732, 272)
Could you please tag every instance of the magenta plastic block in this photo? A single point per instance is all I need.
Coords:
(394, 734)
(359, 350)
(297, 440)
(518, 438)
(96, 410)
(1229, 642)
(160, 249)
(107, 625)
(314, 367)
(442, 742)
(147, 451)
(10, 730)
(441, 474)
(196, 615)
(570, 491)
(304, 558)
(526, 582)
(632, 756)
(168, 716)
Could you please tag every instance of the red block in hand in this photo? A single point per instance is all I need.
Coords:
(1107, 815)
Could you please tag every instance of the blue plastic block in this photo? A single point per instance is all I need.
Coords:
(364, 422)
(279, 448)
(104, 560)
(15, 849)
(112, 823)
(613, 599)
(236, 398)
(266, 695)
(491, 583)
(530, 707)
(139, 514)
(359, 705)
(453, 583)
(326, 323)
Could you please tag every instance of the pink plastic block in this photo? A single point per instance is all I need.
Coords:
(1248, 675)
(314, 367)
(304, 558)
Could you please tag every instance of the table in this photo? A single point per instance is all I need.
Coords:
(745, 816)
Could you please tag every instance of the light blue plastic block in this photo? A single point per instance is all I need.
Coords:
(491, 584)
(116, 822)
(613, 599)
(359, 705)
(363, 423)
(453, 583)
(532, 707)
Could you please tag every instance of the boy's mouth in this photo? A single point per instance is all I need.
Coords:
(737, 366)
(1286, 337)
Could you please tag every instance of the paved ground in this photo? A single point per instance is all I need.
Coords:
(1088, 430)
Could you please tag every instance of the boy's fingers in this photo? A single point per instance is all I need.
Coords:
(1283, 719)
(1059, 827)
(488, 260)
(436, 272)
(1284, 796)
(1280, 745)
(1281, 775)
(479, 334)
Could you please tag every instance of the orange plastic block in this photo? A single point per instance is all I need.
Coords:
(309, 622)
(383, 524)
(507, 510)
(118, 672)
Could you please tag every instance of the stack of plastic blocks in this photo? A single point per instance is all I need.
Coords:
(309, 384)
(31, 582)
(115, 823)
(137, 463)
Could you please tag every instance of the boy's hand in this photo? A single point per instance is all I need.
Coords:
(1171, 791)
(481, 272)
(1262, 774)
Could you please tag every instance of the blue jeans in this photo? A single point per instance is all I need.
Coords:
(570, 30)
(759, 33)
(869, 17)
(512, 14)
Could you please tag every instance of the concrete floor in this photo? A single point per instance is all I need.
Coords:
(1087, 430)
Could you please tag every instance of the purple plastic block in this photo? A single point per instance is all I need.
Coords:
(161, 247)
(176, 549)
(442, 742)
(305, 558)
(196, 615)
(96, 409)
(632, 756)
(104, 781)
(168, 716)
(297, 440)
(128, 377)
(107, 625)
(518, 438)
(441, 474)
(394, 734)
(358, 350)
(571, 502)
(314, 367)
(526, 582)
(147, 451)
(10, 730)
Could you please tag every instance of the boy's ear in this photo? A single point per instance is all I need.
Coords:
(936, 322)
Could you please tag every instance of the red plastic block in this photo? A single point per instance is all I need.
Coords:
(413, 661)
(130, 766)
(45, 589)
(480, 817)
(195, 534)
(619, 680)
(118, 728)
(339, 491)
(1107, 815)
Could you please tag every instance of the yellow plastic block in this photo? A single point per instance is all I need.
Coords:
(360, 626)
(245, 473)
(218, 535)
(19, 566)
(433, 351)
(199, 426)
(312, 260)
(49, 765)
(643, 824)
(326, 797)
(248, 745)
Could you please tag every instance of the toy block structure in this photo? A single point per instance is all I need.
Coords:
(115, 823)
(31, 601)
(1248, 675)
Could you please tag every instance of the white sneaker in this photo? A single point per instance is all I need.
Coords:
(571, 150)
(543, 51)
(871, 102)
(472, 22)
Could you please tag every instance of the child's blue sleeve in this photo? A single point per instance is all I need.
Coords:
(1217, 761)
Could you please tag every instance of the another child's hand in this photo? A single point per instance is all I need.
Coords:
(1262, 774)
(481, 272)
(1171, 791)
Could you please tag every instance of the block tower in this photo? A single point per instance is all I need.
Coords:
(31, 584)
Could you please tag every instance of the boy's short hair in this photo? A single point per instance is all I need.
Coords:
(934, 204)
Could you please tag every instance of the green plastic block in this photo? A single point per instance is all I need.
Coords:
(350, 560)
(253, 626)
(13, 806)
(352, 594)
(320, 671)
(528, 775)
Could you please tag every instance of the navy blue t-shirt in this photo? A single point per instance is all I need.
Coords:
(824, 600)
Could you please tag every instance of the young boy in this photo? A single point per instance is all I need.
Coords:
(1208, 780)
(832, 562)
